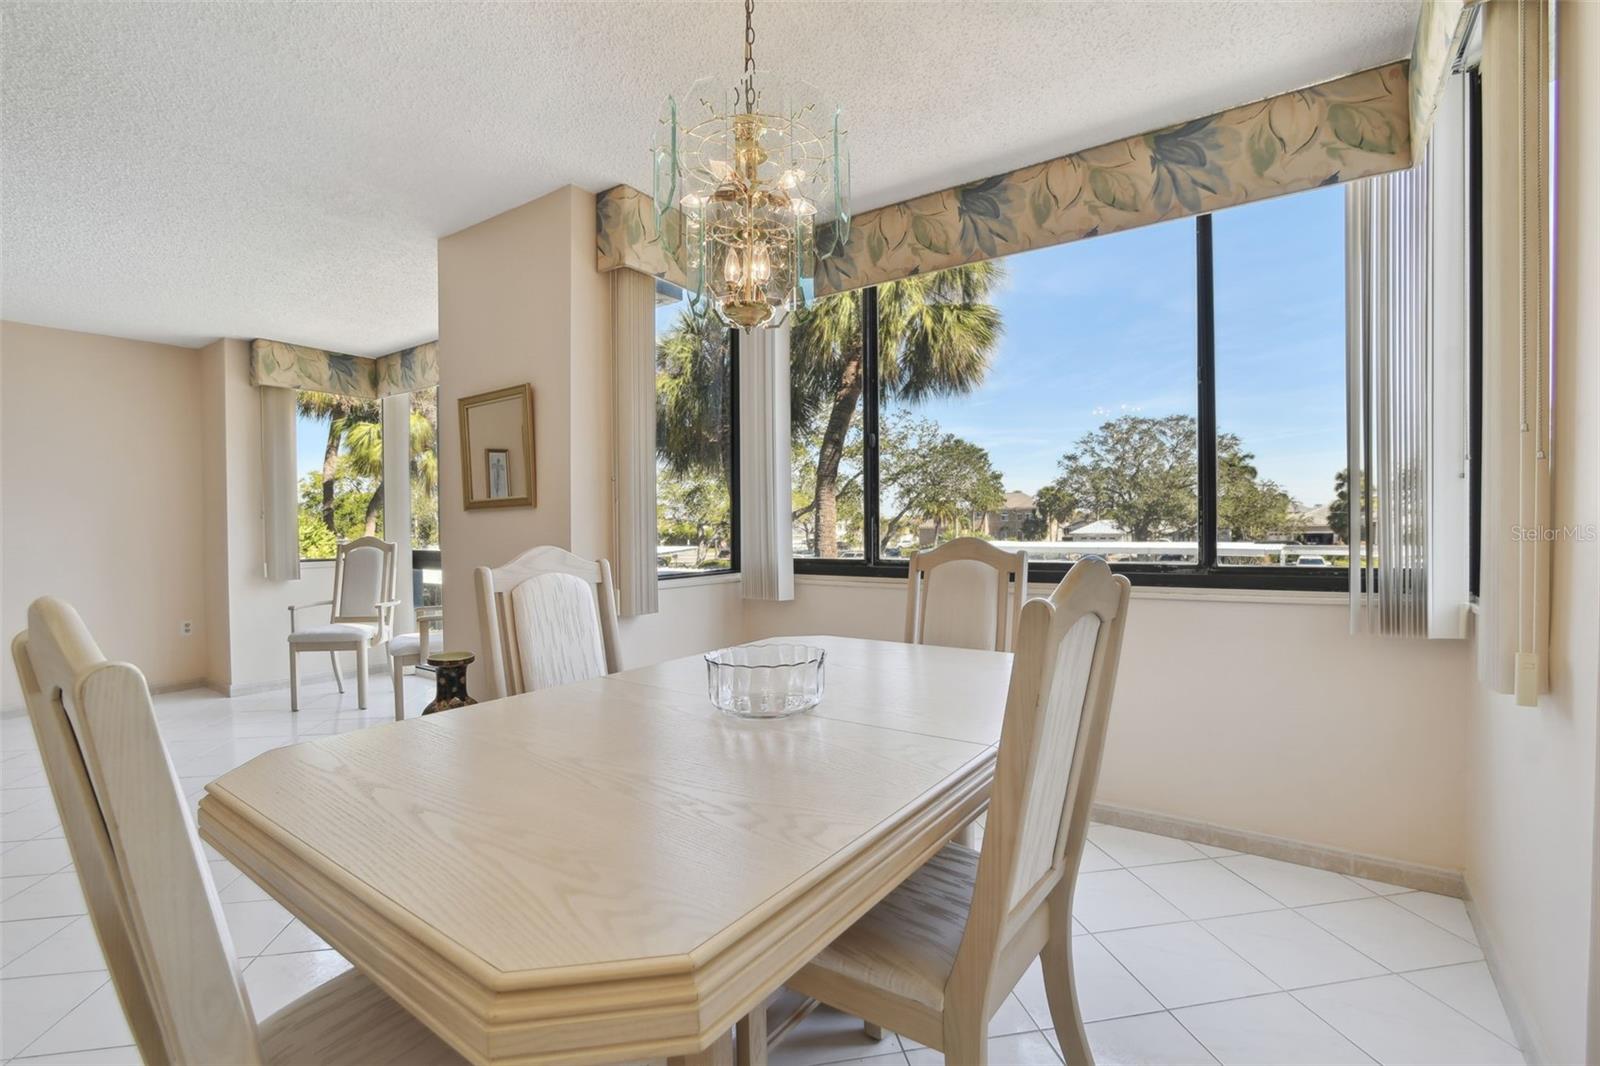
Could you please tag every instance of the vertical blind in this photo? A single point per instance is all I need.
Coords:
(280, 508)
(1387, 275)
(633, 332)
(766, 547)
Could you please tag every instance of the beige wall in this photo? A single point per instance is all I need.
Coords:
(251, 617)
(103, 488)
(1264, 716)
(520, 301)
(1532, 833)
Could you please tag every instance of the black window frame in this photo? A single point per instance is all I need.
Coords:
(1207, 573)
(1474, 332)
(733, 477)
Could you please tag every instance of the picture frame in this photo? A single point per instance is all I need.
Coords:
(498, 426)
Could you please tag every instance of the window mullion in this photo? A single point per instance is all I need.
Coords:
(869, 425)
(1206, 380)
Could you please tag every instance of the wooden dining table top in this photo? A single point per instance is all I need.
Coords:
(615, 870)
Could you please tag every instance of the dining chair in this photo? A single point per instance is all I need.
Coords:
(958, 594)
(413, 649)
(966, 593)
(546, 618)
(360, 614)
(150, 897)
(938, 956)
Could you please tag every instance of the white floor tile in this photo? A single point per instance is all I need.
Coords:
(1396, 1022)
(275, 981)
(73, 949)
(1183, 964)
(1469, 989)
(28, 823)
(31, 1005)
(1145, 1040)
(1211, 851)
(255, 924)
(48, 897)
(1291, 950)
(1105, 988)
(1204, 889)
(1274, 1030)
(1024, 1049)
(893, 1058)
(295, 937)
(1130, 847)
(829, 1036)
(1294, 885)
(1447, 912)
(1094, 859)
(97, 1022)
(17, 799)
(1391, 935)
(242, 890)
(110, 1056)
(34, 857)
(10, 886)
(21, 937)
(1115, 899)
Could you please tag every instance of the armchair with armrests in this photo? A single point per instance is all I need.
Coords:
(413, 649)
(360, 616)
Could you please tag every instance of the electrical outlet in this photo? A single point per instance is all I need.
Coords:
(186, 629)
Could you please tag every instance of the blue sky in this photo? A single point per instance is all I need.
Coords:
(1104, 327)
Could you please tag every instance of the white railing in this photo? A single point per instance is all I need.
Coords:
(1164, 550)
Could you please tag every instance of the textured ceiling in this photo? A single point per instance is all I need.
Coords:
(180, 172)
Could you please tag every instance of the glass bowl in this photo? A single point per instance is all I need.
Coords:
(765, 680)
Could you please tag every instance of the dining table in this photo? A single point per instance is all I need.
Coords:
(614, 870)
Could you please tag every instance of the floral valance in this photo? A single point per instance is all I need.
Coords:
(1348, 128)
(1441, 28)
(295, 366)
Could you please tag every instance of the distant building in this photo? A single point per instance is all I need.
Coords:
(1008, 522)
(1099, 529)
(1308, 525)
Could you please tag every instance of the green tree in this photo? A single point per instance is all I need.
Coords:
(928, 474)
(1136, 471)
(936, 336)
(695, 506)
(343, 413)
(1339, 509)
(1248, 507)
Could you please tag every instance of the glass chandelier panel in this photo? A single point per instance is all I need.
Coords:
(752, 164)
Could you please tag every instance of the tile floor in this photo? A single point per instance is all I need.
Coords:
(1184, 953)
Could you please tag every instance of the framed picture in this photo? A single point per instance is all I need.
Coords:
(499, 472)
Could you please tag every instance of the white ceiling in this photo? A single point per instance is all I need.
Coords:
(180, 172)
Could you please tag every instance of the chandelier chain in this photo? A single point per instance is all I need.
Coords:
(749, 56)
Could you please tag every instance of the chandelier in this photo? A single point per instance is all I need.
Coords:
(750, 164)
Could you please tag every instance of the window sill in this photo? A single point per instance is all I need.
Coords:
(694, 581)
(1299, 597)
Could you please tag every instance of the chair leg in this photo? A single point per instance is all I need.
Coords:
(361, 676)
(873, 1030)
(294, 681)
(968, 836)
(338, 679)
(1059, 988)
(965, 1045)
(397, 671)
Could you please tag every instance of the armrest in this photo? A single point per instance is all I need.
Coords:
(431, 614)
(293, 607)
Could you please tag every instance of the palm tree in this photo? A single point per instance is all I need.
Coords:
(937, 334)
(343, 413)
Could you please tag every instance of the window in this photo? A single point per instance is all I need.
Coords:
(1170, 398)
(339, 448)
(696, 418)
(1282, 497)
(423, 458)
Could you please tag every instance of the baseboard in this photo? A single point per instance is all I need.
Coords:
(182, 686)
(1391, 871)
(1510, 995)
